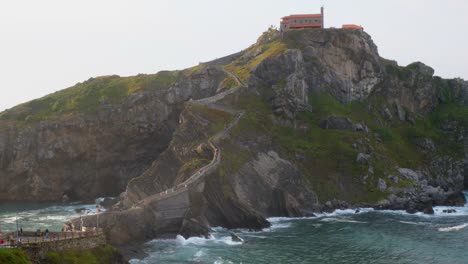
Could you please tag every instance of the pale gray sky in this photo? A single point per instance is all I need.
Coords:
(49, 45)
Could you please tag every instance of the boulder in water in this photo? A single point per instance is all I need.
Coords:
(108, 202)
(449, 211)
(81, 210)
(428, 210)
(236, 238)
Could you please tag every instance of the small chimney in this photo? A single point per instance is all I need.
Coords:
(323, 17)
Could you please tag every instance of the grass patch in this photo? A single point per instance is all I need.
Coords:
(217, 119)
(13, 256)
(100, 255)
(242, 69)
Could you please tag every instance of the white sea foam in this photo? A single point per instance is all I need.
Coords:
(227, 240)
(247, 235)
(199, 254)
(54, 218)
(203, 241)
(341, 220)
(414, 223)
(438, 212)
(453, 228)
(222, 261)
(278, 225)
(192, 240)
(344, 212)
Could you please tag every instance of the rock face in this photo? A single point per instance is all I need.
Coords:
(337, 122)
(89, 156)
(326, 123)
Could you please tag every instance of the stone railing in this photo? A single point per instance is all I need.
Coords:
(26, 238)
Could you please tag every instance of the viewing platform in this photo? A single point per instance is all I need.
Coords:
(38, 244)
(32, 238)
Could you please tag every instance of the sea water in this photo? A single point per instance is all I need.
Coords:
(33, 216)
(341, 237)
(344, 236)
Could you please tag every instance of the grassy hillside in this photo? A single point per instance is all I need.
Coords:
(86, 97)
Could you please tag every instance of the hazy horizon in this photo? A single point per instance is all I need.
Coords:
(51, 45)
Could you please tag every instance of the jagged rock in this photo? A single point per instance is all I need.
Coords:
(94, 155)
(81, 210)
(409, 174)
(108, 202)
(336, 122)
(361, 127)
(400, 112)
(426, 144)
(394, 179)
(363, 158)
(428, 210)
(382, 185)
(449, 211)
(236, 238)
(387, 113)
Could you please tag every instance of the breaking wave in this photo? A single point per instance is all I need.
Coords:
(453, 228)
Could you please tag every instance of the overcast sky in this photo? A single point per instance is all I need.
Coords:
(49, 45)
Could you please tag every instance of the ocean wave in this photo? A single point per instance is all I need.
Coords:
(262, 237)
(453, 228)
(279, 225)
(341, 212)
(341, 220)
(222, 261)
(198, 241)
(414, 223)
(228, 241)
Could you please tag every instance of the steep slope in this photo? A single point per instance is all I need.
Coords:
(329, 124)
(88, 141)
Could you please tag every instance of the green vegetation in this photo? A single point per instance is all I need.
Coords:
(13, 256)
(217, 119)
(327, 158)
(228, 83)
(86, 97)
(243, 68)
(403, 73)
(100, 255)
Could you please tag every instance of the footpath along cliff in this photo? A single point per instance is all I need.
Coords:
(310, 121)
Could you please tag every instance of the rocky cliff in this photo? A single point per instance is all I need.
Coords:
(88, 141)
(309, 121)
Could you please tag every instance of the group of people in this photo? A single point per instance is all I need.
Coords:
(39, 233)
(68, 227)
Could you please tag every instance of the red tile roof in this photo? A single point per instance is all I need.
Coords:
(309, 25)
(351, 26)
(302, 16)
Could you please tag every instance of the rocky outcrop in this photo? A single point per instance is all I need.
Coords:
(85, 156)
(345, 65)
(337, 122)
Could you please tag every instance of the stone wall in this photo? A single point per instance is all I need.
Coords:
(38, 251)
